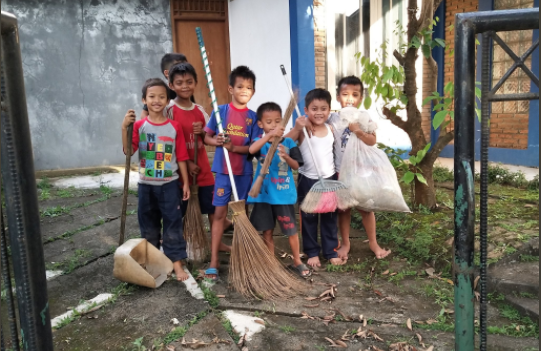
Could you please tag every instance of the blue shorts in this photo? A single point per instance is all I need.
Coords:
(222, 188)
(206, 193)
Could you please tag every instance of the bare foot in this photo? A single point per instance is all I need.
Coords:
(343, 251)
(179, 271)
(337, 261)
(379, 252)
(224, 247)
(314, 262)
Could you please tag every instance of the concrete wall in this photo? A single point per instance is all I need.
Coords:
(84, 64)
(260, 39)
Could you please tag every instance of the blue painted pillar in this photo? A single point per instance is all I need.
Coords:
(303, 65)
(533, 128)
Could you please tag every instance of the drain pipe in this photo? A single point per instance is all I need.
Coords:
(21, 198)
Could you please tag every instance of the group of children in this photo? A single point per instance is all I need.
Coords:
(165, 138)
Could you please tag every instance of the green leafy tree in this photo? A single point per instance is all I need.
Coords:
(396, 86)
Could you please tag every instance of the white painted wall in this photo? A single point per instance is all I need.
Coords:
(259, 39)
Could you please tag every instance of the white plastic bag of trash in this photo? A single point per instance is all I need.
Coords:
(139, 262)
(367, 171)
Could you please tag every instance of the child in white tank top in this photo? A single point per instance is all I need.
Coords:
(317, 110)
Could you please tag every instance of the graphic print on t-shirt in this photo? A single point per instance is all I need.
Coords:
(155, 155)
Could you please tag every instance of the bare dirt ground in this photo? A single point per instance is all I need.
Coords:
(386, 304)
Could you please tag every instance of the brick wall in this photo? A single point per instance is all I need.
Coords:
(426, 111)
(320, 44)
(453, 7)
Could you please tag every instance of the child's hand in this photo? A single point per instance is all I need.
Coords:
(304, 122)
(222, 139)
(186, 192)
(197, 128)
(353, 127)
(193, 168)
(277, 132)
(129, 119)
(228, 145)
(282, 151)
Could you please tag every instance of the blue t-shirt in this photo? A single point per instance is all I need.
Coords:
(279, 186)
(241, 127)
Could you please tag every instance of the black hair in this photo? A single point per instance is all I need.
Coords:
(349, 80)
(182, 69)
(241, 72)
(268, 107)
(169, 59)
(153, 82)
(317, 94)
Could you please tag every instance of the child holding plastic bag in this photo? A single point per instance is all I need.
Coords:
(363, 167)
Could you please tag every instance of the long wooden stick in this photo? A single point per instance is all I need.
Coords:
(126, 186)
(256, 188)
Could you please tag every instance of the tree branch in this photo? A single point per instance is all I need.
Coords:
(427, 15)
(442, 142)
(395, 119)
(399, 57)
(437, 4)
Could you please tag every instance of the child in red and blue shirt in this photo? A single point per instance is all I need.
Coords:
(240, 126)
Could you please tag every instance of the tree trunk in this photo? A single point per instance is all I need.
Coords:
(425, 194)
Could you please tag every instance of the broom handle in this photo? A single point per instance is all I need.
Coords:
(196, 146)
(215, 108)
(284, 73)
(126, 186)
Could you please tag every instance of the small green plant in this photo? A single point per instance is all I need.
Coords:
(210, 295)
(106, 190)
(529, 258)
(287, 329)
(44, 183)
(442, 174)
(138, 345)
(54, 211)
(45, 194)
(257, 314)
(226, 323)
(65, 193)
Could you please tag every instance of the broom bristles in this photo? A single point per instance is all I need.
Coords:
(197, 244)
(256, 188)
(311, 202)
(254, 271)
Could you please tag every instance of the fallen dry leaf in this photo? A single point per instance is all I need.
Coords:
(259, 321)
(419, 322)
(377, 292)
(408, 324)
(375, 336)
(331, 341)
(477, 295)
(171, 347)
(366, 241)
(431, 348)
(431, 321)
(365, 322)
(393, 274)
(220, 296)
(420, 338)
(430, 271)
(476, 281)
(385, 273)
(309, 298)
(340, 343)
(375, 348)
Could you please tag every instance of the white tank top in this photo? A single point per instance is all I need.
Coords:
(323, 152)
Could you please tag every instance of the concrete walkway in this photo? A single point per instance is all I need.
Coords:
(529, 172)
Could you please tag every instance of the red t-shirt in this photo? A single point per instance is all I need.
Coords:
(186, 117)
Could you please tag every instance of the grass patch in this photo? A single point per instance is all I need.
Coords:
(358, 267)
(55, 211)
(226, 323)
(529, 258)
(287, 329)
(443, 174)
(71, 263)
(44, 183)
(179, 332)
(210, 295)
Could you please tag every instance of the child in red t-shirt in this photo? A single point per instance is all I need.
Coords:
(192, 118)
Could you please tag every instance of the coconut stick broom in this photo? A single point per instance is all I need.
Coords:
(197, 245)
(256, 187)
(254, 271)
(325, 195)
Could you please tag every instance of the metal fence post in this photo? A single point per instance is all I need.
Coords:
(464, 183)
(21, 198)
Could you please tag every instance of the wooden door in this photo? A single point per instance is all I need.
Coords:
(211, 16)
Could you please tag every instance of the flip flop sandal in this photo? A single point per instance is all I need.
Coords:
(299, 269)
(212, 271)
